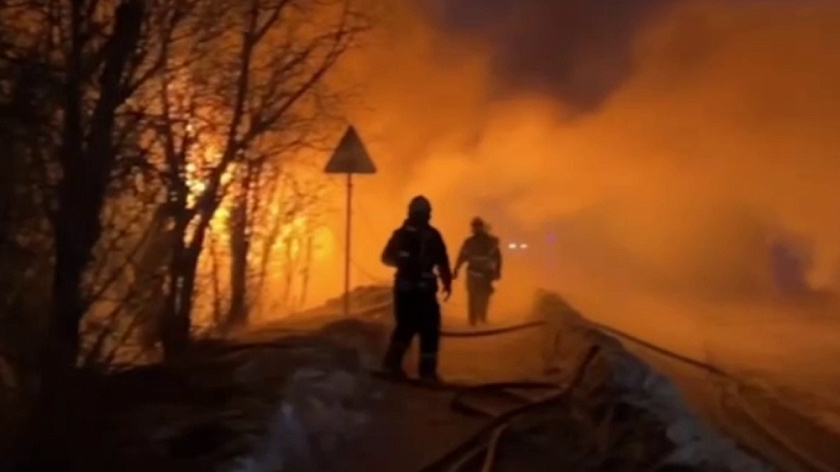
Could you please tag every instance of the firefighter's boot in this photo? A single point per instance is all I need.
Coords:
(428, 368)
(392, 363)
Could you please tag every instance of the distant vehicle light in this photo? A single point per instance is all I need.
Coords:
(512, 246)
(523, 246)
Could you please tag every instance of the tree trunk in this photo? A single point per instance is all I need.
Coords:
(177, 319)
(176, 322)
(306, 272)
(238, 315)
(288, 275)
(77, 230)
(239, 249)
(174, 330)
(183, 317)
(86, 165)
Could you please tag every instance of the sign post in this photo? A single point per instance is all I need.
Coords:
(350, 157)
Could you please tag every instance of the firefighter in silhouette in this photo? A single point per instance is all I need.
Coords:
(483, 257)
(419, 254)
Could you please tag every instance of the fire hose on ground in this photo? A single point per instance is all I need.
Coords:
(493, 331)
(487, 438)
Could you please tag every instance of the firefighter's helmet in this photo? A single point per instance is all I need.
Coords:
(419, 204)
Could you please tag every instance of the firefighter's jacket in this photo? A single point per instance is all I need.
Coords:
(482, 255)
(419, 254)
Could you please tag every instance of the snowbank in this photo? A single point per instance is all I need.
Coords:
(618, 381)
(313, 426)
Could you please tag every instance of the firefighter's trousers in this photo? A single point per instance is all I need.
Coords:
(479, 290)
(417, 312)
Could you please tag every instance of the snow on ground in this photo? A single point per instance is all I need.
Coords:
(627, 380)
(790, 347)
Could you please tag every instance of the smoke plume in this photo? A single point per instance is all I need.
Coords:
(663, 145)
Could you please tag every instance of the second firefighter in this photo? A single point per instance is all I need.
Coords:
(481, 253)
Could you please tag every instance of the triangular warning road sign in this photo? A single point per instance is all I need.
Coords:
(350, 156)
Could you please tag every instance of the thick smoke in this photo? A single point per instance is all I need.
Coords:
(712, 139)
(695, 189)
(578, 51)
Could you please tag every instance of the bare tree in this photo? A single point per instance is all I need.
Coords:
(104, 53)
(259, 201)
(28, 104)
(143, 103)
(284, 237)
(260, 77)
(73, 66)
(241, 230)
(87, 154)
